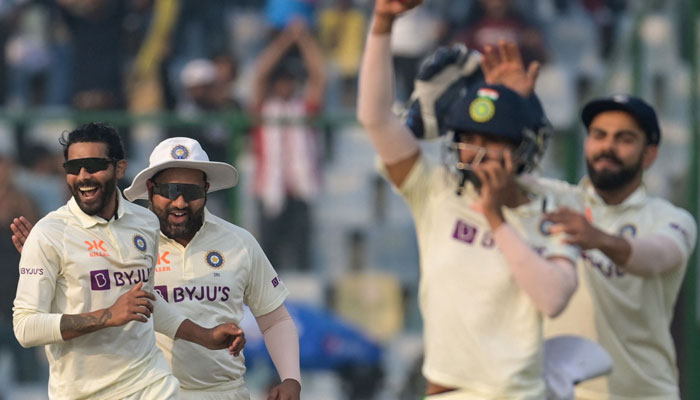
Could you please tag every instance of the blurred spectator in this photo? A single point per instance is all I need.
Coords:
(342, 34)
(606, 14)
(146, 91)
(226, 75)
(492, 20)
(409, 49)
(280, 13)
(13, 203)
(369, 298)
(96, 28)
(200, 33)
(200, 80)
(27, 55)
(285, 145)
(43, 179)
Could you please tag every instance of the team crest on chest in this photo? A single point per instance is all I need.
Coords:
(628, 231)
(545, 227)
(179, 152)
(215, 259)
(139, 242)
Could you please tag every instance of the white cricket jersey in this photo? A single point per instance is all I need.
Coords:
(482, 333)
(221, 268)
(74, 263)
(628, 315)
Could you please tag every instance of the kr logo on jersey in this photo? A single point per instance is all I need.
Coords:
(96, 248)
(163, 264)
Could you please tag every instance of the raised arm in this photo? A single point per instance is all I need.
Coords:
(503, 64)
(268, 59)
(395, 144)
(313, 62)
(549, 282)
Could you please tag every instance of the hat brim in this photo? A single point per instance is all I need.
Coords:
(219, 175)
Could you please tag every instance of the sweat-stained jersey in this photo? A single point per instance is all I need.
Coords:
(222, 268)
(482, 333)
(628, 315)
(74, 263)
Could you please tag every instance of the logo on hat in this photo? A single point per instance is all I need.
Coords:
(140, 242)
(482, 109)
(621, 98)
(180, 152)
(215, 259)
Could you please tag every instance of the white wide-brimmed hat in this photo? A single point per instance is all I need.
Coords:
(182, 152)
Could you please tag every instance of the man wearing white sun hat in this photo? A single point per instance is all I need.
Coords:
(209, 268)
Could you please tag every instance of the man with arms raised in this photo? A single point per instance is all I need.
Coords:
(488, 274)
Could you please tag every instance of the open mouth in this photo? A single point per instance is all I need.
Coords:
(178, 217)
(607, 163)
(88, 193)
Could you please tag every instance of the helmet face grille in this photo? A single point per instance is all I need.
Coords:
(526, 156)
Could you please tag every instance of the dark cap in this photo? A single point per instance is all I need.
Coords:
(493, 110)
(638, 108)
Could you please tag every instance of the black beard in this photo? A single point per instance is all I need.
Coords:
(185, 230)
(606, 180)
(107, 192)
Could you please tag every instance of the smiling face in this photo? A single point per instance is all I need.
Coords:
(617, 151)
(179, 219)
(94, 192)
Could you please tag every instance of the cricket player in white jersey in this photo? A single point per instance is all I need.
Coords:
(483, 289)
(635, 253)
(86, 283)
(208, 268)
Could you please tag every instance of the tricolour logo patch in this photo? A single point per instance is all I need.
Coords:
(215, 259)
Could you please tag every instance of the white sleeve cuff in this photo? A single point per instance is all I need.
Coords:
(37, 329)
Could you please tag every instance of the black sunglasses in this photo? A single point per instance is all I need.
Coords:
(91, 165)
(172, 191)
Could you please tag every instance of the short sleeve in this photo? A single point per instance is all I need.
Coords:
(265, 291)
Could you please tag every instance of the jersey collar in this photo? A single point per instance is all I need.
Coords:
(88, 221)
(637, 198)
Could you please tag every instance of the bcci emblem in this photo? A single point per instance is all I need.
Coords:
(215, 259)
(545, 227)
(482, 109)
(179, 152)
(140, 242)
(628, 231)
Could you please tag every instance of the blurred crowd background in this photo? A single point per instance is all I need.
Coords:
(270, 86)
